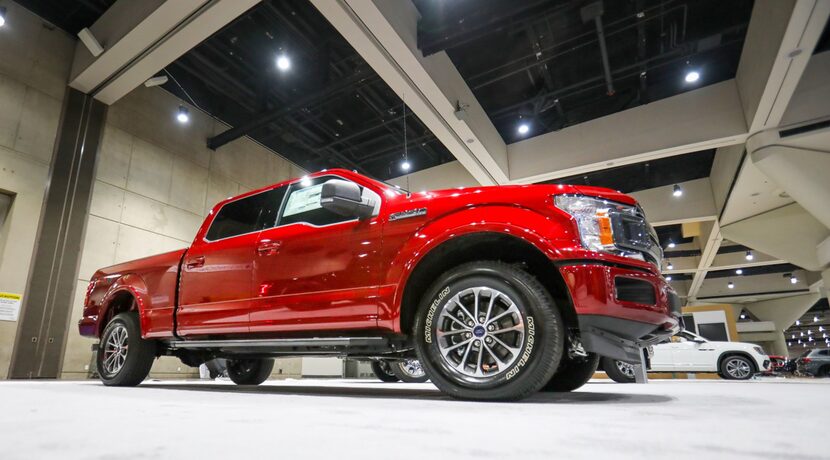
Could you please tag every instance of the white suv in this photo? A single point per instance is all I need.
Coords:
(688, 352)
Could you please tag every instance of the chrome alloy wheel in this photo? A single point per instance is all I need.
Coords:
(412, 367)
(738, 368)
(626, 368)
(480, 333)
(115, 350)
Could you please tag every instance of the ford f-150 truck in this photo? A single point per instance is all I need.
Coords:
(498, 291)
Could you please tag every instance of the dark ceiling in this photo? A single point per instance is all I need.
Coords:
(533, 60)
(539, 62)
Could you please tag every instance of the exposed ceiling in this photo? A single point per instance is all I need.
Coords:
(540, 62)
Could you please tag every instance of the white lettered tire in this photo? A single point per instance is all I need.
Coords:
(488, 330)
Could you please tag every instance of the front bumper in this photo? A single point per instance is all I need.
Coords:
(621, 310)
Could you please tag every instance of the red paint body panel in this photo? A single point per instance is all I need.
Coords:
(351, 275)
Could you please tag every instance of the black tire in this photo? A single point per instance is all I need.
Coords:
(541, 340)
(138, 354)
(249, 371)
(383, 371)
(730, 375)
(573, 373)
(408, 372)
(609, 365)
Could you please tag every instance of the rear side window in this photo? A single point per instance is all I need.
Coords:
(246, 215)
(303, 205)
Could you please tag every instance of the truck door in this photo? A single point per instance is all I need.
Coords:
(316, 270)
(216, 278)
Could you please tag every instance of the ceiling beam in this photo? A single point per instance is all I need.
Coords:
(385, 35)
(141, 38)
(779, 43)
(708, 117)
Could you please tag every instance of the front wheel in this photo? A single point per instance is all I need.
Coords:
(736, 367)
(409, 371)
(573, 373)
(618, 371)
(124, 359)
(249, 371)
(488, 331)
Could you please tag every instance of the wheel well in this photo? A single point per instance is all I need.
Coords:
(484, 246)
(738, 353)
(123, 301)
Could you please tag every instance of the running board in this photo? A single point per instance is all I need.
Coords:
(285, 345)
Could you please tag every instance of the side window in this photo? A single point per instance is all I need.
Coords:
(303, 205)
(246, 215)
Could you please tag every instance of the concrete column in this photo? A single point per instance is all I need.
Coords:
(44, 319)
(783, 312)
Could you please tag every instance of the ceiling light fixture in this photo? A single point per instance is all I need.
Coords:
(730, 285)
(815, 319)
(739, 272)
(668, 278)
(749, 255)
(677, 191)
(793, 279)
(743, 316)
(183, 116)
(283, 63)
(2, 16)
(405, 165)
(671, 244)
(669, 266)
(523, 128)
(692, 76)
(798, 322)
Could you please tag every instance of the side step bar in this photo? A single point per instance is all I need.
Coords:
(274, 344)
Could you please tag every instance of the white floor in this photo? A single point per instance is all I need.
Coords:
(362, 419)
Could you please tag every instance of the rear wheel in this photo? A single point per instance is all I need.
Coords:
(618, 371)
(573, 373)
(249, 371)
(124, 359)
(488, 331)
(383, 371)
(409, 371)
(737, 367)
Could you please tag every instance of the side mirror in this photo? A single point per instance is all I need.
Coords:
(344, 198)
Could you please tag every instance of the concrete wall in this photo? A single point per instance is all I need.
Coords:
(33, 72)
(155, 182)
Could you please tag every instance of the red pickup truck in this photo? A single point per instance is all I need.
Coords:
(498, 291)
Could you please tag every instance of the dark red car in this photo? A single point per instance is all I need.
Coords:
(498, 291)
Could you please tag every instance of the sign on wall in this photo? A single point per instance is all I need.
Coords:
(9, 306)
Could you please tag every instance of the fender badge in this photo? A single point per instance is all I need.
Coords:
(407, 214)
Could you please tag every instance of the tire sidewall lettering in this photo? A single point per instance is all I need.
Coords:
(531, 339)
(431, 314)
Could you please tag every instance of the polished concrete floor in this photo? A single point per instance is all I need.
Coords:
(291, 419)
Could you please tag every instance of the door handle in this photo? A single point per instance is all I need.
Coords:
(268, 247)
(196, 262)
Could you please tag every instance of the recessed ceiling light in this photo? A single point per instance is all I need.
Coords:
(671, 244)
(793, 279)
(523, 128)
(749, 255)
(183, 116)
(283, 63)
(677, 191)
(668, 278)
(739, 272)
(692, 76)
(730, 285)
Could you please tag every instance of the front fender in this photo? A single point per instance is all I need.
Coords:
(539, 230)
(135, 286)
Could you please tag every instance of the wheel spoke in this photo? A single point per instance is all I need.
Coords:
(458, 321)
(513, 350)
(463, 308)
(517, 327)
(493, 296)
(502, 365)
(447, 350)
(463, 363)
(510, 310)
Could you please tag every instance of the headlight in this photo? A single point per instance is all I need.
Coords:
(759, 350)
(592, 219)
